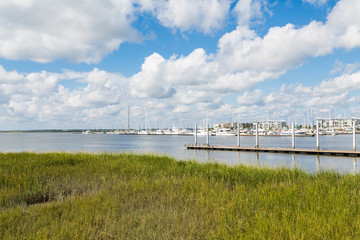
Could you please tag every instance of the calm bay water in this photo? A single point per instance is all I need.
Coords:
(174, 146)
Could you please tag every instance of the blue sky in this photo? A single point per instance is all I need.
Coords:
(176, 62)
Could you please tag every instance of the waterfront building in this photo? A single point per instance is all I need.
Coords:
(230, 125)
(272, 124)
(337, 123)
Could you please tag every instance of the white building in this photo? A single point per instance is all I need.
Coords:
(272, 124)
(225, 125)
(338, 123)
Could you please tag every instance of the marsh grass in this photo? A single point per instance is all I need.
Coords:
(127, 196)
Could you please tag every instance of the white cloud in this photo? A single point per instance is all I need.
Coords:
(255, 97)
(33, 85)
(344, 23)
(186, 15)
(104, 98)
(280, 49)
(355, 110)
(194, 84)
(150, 81)
(83, 31)
(351, 67)
(181, 109)
(247, 10)
(191, 78)
(79, 31)
(316, 2)
(40, 97)
(295, 101)
(338, 66)
(286, 47)
(243, 60)
(161, 78)
(347, 69)
(338, 85)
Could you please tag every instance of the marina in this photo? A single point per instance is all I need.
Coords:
(292, 150)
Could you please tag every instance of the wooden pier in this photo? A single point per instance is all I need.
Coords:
(340, 153)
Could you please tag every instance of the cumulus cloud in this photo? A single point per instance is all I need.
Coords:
(83, 31)
(296, 100)
(338, 85)
(280, 49)
(79, 31)
(286, 47)
(104, 97)
(249, 10)
(41, 97)
(245, 59)
(186, 15)
(197, 83)
(344, 24)
(249, 98)
(191, 78)
(161, 78)
(150, 81)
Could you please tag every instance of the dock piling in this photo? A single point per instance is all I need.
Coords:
(195, 135)
(238, 135)
(354, 135)
(293, 136)
(207, 134)
(317, 135)
(257, 136)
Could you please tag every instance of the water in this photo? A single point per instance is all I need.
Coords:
(174, 146)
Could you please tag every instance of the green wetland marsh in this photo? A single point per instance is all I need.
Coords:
(128, 196)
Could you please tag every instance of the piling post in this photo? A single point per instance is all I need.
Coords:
(238, 135)
(293, 136)
(257, 135)
(195, 134)
(354, 135)
(317, 135)
(207, 134)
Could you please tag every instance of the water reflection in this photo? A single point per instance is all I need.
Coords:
(294, 166)
(354, 164)
(174, 146)
(317, 163)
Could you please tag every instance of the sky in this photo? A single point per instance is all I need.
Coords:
(175, 63)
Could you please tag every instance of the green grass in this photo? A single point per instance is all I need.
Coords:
(127, 196)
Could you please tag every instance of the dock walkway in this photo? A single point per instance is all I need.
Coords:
(341, 153)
